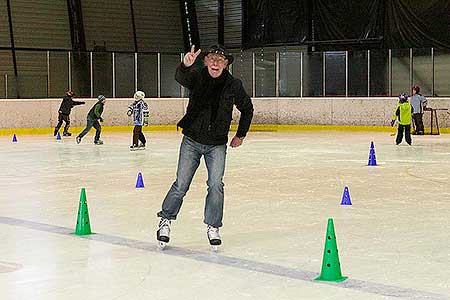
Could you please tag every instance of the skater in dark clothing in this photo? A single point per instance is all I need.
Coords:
(93, 118)
(213, 93)
(139, 110)
(403, 114)
(64, 113)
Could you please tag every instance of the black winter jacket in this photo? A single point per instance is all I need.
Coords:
(67, 104)
(198, 121)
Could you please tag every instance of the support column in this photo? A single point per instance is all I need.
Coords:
(189, 22)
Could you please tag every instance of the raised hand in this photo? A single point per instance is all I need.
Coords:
(190, 57)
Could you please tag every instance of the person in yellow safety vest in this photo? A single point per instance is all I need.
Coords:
(403, 113)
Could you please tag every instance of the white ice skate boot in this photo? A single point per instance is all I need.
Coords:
(214, 238)
(163, 233)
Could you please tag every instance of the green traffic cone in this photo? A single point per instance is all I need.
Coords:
(83, 225)
(331, 268)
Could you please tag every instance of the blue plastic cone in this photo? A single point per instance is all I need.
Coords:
(58, 137)
(14, 138)
(346, 197)
(372, 156)
(140, 181)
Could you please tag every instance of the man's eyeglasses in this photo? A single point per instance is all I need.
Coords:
(216, 58)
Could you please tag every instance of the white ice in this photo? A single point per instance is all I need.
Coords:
(280, 189)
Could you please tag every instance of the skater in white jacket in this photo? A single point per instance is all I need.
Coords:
(139, 110)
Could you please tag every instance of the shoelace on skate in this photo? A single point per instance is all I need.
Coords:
(164, 223)
(213, 231)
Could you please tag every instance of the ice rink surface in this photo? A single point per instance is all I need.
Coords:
(280, 189)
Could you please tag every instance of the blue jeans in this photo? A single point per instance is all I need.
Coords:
(188, 162)
(92, 123)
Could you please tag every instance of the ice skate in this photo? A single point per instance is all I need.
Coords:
(214, 238)
(163, 233)
(67, 134)
(141, 147)
(78, 139)
(99, 142)
(134, 148)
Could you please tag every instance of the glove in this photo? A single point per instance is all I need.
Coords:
(129, 112)
(146, 117)
(392, 123)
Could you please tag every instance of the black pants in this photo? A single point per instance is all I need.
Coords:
(418, 123)
(407, 130)
(61, 118)
(138, 135)
(92, 123)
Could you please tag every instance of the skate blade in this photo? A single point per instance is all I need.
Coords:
(161, 245)
(214, 248)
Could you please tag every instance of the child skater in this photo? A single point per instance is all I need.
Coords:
(64, 113)
(93, 118)
(139, 110)
(403, 114)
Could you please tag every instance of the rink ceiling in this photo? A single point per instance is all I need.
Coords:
(280, 188)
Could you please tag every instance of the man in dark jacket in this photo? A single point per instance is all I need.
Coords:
(94, 115)
(213, 93)
(64, 113)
